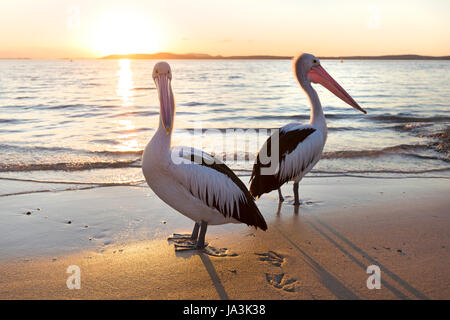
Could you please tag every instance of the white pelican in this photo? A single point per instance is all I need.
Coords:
(299, 145)
(191, 181)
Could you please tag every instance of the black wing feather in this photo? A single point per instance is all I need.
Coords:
(289, 140)
(246, 207)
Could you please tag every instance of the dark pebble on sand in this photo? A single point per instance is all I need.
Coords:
(28, 213)
(69, 222)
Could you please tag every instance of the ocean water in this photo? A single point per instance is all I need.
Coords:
(86, 122)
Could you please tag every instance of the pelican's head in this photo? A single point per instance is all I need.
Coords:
(307, 68)
(162, 75)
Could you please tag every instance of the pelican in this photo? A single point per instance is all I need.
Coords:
(193, 182)
(300, 146)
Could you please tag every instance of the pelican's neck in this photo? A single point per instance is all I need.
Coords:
(317, 117)
(162, 140)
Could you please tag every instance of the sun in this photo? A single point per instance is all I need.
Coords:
(124, 33)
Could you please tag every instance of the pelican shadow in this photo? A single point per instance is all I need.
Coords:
(336, 287)
(364, 254)
(220, 289)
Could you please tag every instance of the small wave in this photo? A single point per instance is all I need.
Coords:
(143, 88)
(403, 149)
(118, 153)
(296, 117)
(122, 183)
(66, 166)
(272, 98)
(374, 96)
(412, 126)
(108, 107)
(105, 141)
(135, 113)
(345, 129)
(65, 106)
(384, 118)
(34, 149)
(23, 98)
(11, 120)
(405, 119)
(235, 85)
(134, 130)
(38, 148)
(381, 171)
(193, 104)
(280, 86)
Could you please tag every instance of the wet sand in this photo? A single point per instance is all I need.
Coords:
(320, 251)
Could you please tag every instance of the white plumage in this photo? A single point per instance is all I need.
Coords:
(300, 146)
(305, 155)
(203, 182)
(191, 181)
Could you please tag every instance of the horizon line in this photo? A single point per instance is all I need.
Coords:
(205, 56)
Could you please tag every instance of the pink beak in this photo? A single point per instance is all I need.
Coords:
(317, 74)
(166, 109)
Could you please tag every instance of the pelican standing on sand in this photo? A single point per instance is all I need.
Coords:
(192, 182)
(300, 146)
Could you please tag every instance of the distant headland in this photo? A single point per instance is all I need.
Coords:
(203, 56)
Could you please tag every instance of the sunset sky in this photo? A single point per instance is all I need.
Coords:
(58, 28)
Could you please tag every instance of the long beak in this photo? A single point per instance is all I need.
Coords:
(165, 100)
(317, 74)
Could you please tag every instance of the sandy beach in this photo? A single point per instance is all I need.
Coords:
(117, 237)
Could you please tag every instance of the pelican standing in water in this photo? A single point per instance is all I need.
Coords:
(300, 146)
(191, 181)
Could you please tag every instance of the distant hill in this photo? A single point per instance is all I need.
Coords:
(168, 55)
(203, 56)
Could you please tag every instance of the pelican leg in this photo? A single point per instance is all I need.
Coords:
(192, 236)
(197, 245)
(280, 195)
(296, 198)
(201, 238)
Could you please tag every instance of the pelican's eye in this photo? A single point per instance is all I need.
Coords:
(156, 71)
(315, 61)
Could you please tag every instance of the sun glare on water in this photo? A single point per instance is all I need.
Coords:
(124, 33)
(125, 85)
